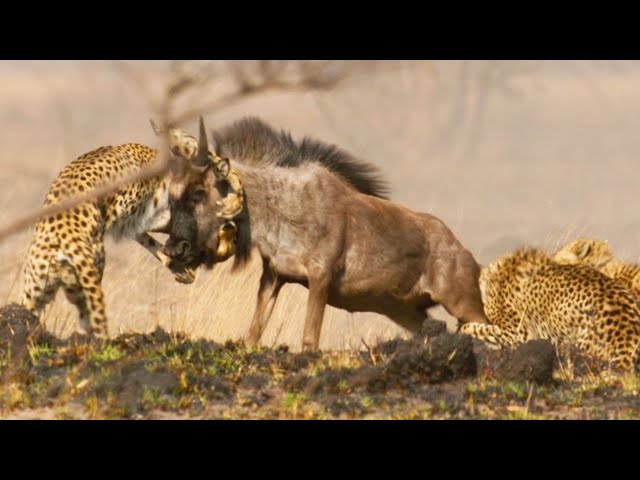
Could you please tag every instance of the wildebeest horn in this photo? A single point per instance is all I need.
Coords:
(202, 158)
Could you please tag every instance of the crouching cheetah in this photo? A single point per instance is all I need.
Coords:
(598, 255)
(528, 296)
(67, 249)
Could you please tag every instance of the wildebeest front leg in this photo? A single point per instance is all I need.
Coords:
(318, 296)
(268, 291)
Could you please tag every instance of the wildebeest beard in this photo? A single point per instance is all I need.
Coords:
(193, 259)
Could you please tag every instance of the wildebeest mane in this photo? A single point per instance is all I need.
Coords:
(251, 140)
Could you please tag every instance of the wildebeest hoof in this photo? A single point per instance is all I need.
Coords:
(308, 347)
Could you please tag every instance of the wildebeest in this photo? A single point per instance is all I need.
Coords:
(317, 217)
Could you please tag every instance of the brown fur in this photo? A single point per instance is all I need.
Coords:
(312, 226)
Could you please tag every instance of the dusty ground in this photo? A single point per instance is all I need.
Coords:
(437, 375)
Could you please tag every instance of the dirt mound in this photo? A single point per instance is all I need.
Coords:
(17, 327)
(444, 357)
(406, 364)
(134, 380)
(432, 328)
(533, 361)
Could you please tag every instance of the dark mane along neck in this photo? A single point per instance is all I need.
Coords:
(254, 142)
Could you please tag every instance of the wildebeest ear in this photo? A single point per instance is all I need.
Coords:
(222, 168)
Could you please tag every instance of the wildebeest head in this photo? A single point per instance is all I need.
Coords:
(195, 194)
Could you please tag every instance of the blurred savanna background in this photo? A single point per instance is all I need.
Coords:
(507, 153)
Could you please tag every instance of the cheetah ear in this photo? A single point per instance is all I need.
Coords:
(202, 159)
(222, 168)
(156, 129)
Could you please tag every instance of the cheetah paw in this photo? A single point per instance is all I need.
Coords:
(186, 276)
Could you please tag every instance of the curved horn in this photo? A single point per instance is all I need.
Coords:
(203, 146)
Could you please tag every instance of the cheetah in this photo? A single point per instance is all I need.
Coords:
(598, 255)
(528, 296)
(67, 249)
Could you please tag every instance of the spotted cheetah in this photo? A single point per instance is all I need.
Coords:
(528, 296)
(598, 255)
(67, 249)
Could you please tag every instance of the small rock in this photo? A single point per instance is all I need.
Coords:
(17, 327)
(159, 335)
(445, 357)
(433, 328)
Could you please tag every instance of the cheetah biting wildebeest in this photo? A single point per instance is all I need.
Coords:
(67, 249)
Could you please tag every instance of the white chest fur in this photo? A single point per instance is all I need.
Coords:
(150, 216)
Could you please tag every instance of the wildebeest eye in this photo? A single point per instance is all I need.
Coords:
(198, 196)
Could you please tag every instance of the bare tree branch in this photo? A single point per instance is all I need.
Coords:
(243, 94)
(137, 79)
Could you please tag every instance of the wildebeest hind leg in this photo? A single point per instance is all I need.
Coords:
(318, 296)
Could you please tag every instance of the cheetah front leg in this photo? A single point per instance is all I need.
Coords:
(184, 275)
(490, 333)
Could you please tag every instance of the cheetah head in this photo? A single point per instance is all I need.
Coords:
(509, 271)
(584, 251)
